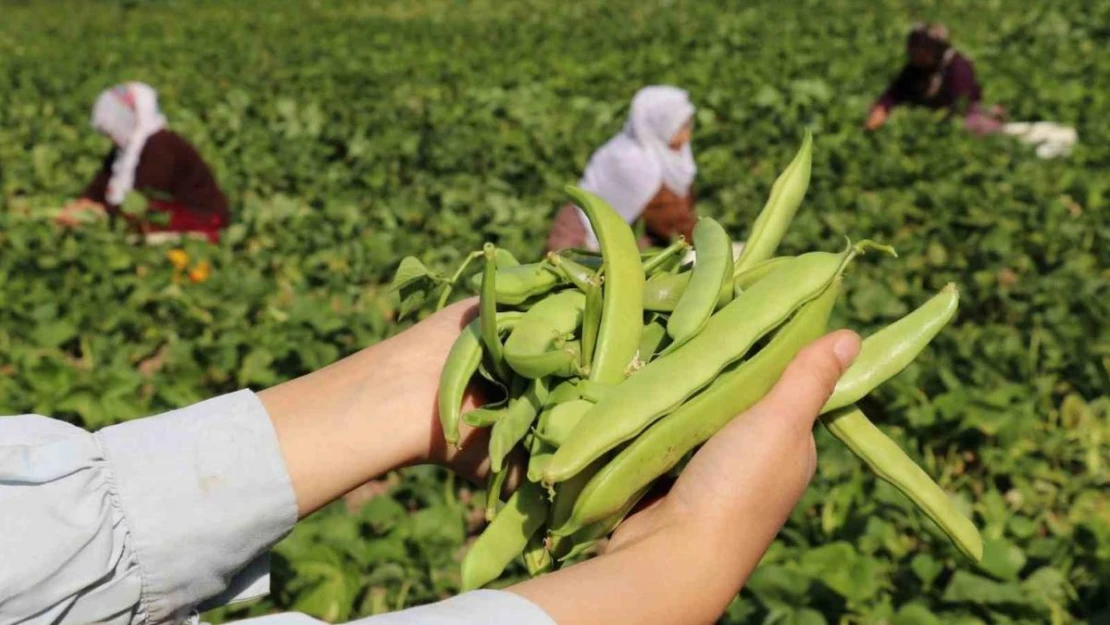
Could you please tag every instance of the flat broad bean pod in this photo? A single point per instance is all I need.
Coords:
(505, 538)
(664, 384)
(745, 279)
(461, 365)
(663, 291)
(517, 284)
(524, 406)
(786, 196)
(487, 314)
(623, 290)
(667, 441)
(887, 461)
(709, 279)
(532, 349)
(890, 350)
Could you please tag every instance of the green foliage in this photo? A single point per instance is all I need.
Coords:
(350, 135)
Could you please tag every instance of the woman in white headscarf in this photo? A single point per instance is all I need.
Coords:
(644, 172)
(158, 164)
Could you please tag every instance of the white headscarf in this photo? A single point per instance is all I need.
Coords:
(630, 168)
(129, 115)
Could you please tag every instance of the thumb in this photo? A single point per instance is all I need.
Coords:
(810, 378)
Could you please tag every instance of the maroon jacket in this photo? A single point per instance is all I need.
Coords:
(169, 170)
(959, 91)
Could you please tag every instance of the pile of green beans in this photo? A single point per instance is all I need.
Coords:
(611, 368)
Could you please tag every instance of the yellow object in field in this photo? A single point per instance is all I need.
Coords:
(179, 258)
(200, 272)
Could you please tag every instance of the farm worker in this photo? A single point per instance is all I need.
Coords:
(938, 77)
(645, 172)
(935, 76)
(149, 159)
(148, 521)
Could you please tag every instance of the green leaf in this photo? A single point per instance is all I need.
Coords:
(927, 568)
(915, 614)
(969, 588)
(838, 566)
(1002, 559)
(53, 333)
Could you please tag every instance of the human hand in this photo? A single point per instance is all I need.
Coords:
(81, 210)
(877, 117)
(683, 557)
(373, 412)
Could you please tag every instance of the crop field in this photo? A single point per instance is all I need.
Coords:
(351, 134)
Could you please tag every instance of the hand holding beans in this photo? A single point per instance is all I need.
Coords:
(653, 375)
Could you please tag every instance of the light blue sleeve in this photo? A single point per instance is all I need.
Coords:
(142, 521)
(480, 607)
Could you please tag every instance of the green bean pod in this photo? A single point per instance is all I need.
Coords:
(710, 277)
(564, 391)
(786, 196)
(561, 419)
(890, 464)
(745, 279)
(661, 446)
(484, 417)
(461, 364)
(539, 449)
(565, 548)
(664, 290)
(511, 428)
(890, 350)
(487, 314)
(495, 482)
(591, 322)
(518, 284)
(618, 336)
(532, 350)
(665, 383)
(505, 259)
(505, 538)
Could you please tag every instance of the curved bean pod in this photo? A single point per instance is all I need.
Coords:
(561, 419)
(564, 548)
(487, 314)
(591, 322)
(665, 383)
(483, 417)
(505, 538)
(890, 464)
(786, 195)
(519, 283)
(890, 350)
(511, 428)
(745, 279)
(461, 364)
(618, 336)
(666, 442)
(531, 350)
(494, 484)
(712, 272)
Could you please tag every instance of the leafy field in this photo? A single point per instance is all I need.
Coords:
(351, 134)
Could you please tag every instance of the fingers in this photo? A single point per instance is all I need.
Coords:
(810, 378)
